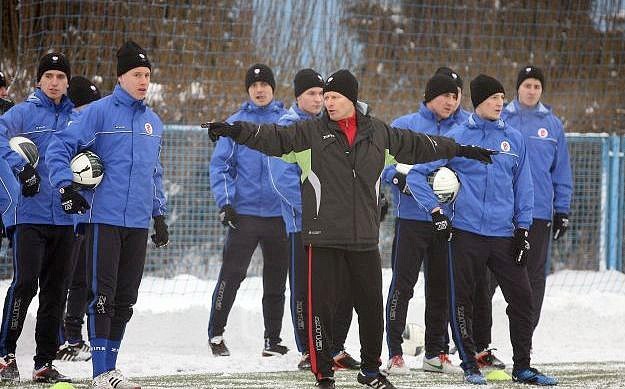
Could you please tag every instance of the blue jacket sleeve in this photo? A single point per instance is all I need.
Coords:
(561, 175)
(223, 171)
(11, 124)
(417, 181)
(523, 190)
(159, 202)
(388, 173)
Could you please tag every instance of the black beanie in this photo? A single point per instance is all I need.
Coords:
(259, 72)
(482, 87)
(81, 91)
(306, 79)
(3, 80)
(448, 72)
(131, 56)
(343, 82)
(439, 85)
(53, 61)
(530, 71)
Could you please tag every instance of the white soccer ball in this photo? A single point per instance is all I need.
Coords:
(414, 339)
(445, 184)
(88, 169)
(26, 148)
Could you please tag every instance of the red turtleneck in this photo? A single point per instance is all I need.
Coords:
(349, 127)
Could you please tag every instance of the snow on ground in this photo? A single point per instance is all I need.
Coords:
(167, 334)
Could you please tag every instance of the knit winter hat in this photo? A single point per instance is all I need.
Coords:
(448, 72)
(53, 61)
(343, 82)
(259, 72)
(3, 80)
(131, 56)
(306, 79)
(482, 87)
(439, 85)
(81, 91)
(530, 71)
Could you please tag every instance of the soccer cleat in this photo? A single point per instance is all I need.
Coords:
(8, 369)
(474, 376)
(440, 364)
(344, 361)
(49, 375)
(272, 349)
(113, 379)
(486, 359)
(74, 352)
(378, 381)
(304, 362)
(397, 366)
(533, 377)
(218, 347)
(326, 383)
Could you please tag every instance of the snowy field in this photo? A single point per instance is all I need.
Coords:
(580, 328)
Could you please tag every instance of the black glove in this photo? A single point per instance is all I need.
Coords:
(520, 246)
(5, 105)
(441, 226)
(217, 129)
(560, 224)
(383, 207)
(161, 234)
(228, 217)
(399, 180)
(72, 201)
(475, 152)
(30, 180)
(2, 232)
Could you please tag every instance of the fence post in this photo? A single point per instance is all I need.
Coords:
(613, 238)
(621, 206)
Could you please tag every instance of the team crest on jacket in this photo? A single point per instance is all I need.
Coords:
(542, 132)
(505, 146)
(148, 128)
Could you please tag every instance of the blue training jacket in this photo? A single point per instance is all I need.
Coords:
(9, 194)
(493, 199)
(548, 155)
(39, 120)
(126, 135)
(423, 121)
(239, 176)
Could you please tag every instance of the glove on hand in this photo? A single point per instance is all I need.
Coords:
(520, 246)
(476, 152)
(30, 180)
(399, 180)
(72, 201)
(560, 225)
(161, 234)
(228, 217)
(383, 207)
(217, 129)
(441, 226)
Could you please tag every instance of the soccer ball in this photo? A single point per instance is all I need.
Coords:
(26, 148)
(414, 339)
(88, 169)
(445, 184)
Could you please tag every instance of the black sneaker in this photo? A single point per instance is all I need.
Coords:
(304, 363)
(218, 347)
(73, 352)
(343, 360)
(8, 369)
(377, 382)
(272, 349)
(325, 383)
(49, 375)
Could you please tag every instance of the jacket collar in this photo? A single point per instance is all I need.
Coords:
(122, 97)
(39, 98)
(516, 107)
(477, 123)
(297, 113)
(427, 113)
(274, 106)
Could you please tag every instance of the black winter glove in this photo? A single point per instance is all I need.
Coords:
(30, 180)
(560, 225)
(520, 246)
(72, 201)
(161, 233)
(475, 152)
(383, 207)
(399, 180)
(441, 226)
(217, 129)
(5, 105)
(228, 217)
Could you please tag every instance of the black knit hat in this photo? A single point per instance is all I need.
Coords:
(306, 79)
(131, 56)
(530, 71)
(482, 87)
(3, 80)
(439, 85)
(343, 82)
(448, 72)
(53, 61)
(259, 72)
(81, 91)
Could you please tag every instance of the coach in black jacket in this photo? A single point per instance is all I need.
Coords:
(341, 156)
